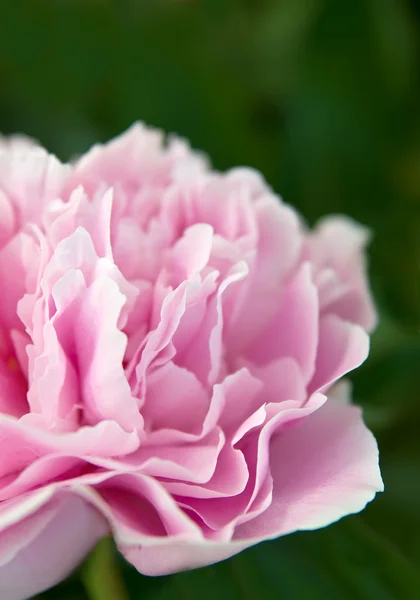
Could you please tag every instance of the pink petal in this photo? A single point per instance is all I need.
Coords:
(117, 496)
(241, 399)
(204, 353)
(12, 390)
(13, 277)
(228, 479)
(281, 380)
(50, 469)
(331, 471)
(30, 177)
(188, 462)
(178, 556)
(294, 329)
(22, 443)
(192, 252)
(42, 549)
(171, 312)
(342, 347)
(175, 399)
(338, 244)
(61, 219)
(7, 219)
(276, 252)
(100, 349)
(130, 158)
(255, 453)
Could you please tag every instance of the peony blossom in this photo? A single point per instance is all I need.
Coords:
(169, 340)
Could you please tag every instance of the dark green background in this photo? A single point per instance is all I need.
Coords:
(323, 96)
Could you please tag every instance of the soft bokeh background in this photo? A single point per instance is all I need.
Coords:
(323, 96)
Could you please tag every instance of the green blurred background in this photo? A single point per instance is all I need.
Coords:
(323, 96)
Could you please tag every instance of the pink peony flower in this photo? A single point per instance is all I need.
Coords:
(169, 339)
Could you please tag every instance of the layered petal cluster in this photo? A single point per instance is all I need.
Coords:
(169, 339)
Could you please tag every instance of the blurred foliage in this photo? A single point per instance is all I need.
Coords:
(323, 97)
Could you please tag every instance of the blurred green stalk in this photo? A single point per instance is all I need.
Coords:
(100, 575)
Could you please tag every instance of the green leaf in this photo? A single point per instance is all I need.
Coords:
(386, 385)
(396, 512)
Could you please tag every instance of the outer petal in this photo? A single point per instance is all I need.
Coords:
(46, 546)
(337, 245)
(323, 470)
(180, 556)
(331, 470)
(342, 347)
(159, 521)
(30, 177)
(136, 158)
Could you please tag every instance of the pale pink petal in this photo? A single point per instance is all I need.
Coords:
(51, 469)
(22, 443)
(136, 158)
(13, 277)
(275, 255)
(117, 497)
(342, 347)
(44, 548)
(229, 479)
(281, 379)
(7, 219)
(331, 471)
(175, 399)
(188, 462)
(204, 354)
(255, 452)
(30, 178)
(172, 310)
(241, 399)
(191, 253)
(100, 349)
(294, 329)
(179, 556)
(338, 244)
(61, 219)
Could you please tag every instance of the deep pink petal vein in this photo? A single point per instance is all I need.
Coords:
(169, 339)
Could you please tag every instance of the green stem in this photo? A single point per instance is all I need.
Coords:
(100, 575)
